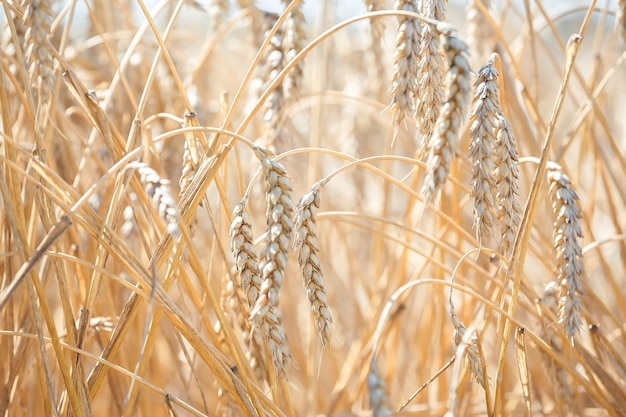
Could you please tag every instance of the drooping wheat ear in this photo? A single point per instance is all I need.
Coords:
(273, 63)
(406, 58)
(242, 246)
(279, 229)
(295, 39)
(266, 312)
(39, 56)
(378, 392)
(448, 125)
(550, 299)
(158, 189)
(484, 119)
(430, 75)
(567, 232)
(479, 32)
(306, 248)
(507, 185)
(474, 361)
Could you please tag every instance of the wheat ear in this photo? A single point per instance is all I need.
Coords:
(378, 392)
(479, 32)
(430, 75)
(473, 357)
(273, 63)
(448, 125)
(158, 189)
(39, 51)
(306, 248)
(507, 184)
(567, 233)
(404, 83)
(294, 41)
(242, 247)
(266, 311)
(484, 119)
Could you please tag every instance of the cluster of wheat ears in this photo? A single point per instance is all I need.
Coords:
(446, 182)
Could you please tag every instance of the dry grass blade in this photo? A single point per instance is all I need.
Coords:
(550, 298)
(484, 119)
(567, 233)
(441, 147)
(522, 366)
(306, 248)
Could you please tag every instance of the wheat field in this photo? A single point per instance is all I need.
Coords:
(416, 209)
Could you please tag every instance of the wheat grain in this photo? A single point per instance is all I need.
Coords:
(567, 233)
(447, 127)
(158, 190)
(484, 119)
(306, 248)
(294, 41)
(507, 184)
(406, 57)
(430, 75)
(377, 392)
